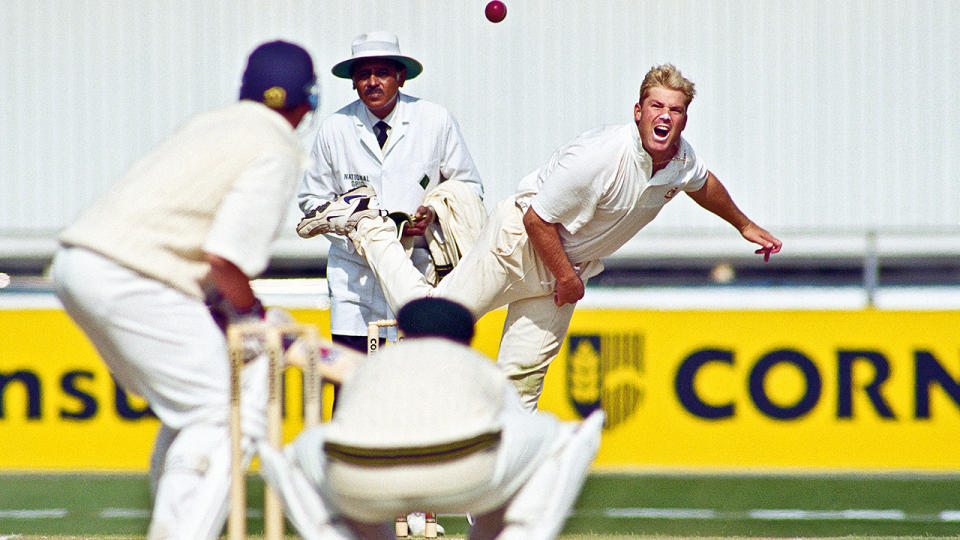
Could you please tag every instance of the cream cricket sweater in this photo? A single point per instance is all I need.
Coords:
(221, 185)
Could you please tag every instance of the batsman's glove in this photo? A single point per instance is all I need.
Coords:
(225, 314)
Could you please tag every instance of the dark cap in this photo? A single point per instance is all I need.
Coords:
(436, 317)
(280, 75)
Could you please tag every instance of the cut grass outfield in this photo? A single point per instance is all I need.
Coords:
(562, 537)
(618, 505)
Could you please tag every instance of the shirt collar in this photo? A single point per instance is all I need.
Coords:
(370, 119)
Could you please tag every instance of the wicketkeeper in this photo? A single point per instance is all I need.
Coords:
(431, 423)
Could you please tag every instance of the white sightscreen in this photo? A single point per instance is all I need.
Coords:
(825, 119)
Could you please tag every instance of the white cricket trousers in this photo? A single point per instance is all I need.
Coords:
(163, 345)
(502, 268)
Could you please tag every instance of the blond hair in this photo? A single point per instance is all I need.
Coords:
(667, 76)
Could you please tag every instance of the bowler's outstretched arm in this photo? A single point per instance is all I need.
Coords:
(714, 197)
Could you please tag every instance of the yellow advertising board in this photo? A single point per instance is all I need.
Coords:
(770, 390)
(799, 390)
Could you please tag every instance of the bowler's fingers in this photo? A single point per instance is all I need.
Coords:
(769, 249)
(769, 244)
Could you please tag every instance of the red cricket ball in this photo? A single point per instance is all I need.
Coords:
(496, 11)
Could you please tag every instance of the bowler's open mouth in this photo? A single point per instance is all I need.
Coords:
(661, 131)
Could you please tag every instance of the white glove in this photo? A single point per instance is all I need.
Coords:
(277, 316)
(335, 362)
(253, 345)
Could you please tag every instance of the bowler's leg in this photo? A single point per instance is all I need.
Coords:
(490, 275)
(498, 268)
(532, 336)
(376, 240)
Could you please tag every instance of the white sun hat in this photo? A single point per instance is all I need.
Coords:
(376, 45)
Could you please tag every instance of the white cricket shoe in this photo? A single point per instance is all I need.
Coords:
(341, 215)
(417, 522)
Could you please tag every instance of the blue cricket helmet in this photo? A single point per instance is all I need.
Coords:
(280, 75)
(436, 317)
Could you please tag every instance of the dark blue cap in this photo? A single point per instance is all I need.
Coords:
(280, 75)
(436, 317)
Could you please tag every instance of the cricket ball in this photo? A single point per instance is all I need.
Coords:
(495, 11)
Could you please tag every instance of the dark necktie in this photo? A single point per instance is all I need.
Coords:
(381, 128)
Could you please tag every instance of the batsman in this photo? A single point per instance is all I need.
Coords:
(157, 267)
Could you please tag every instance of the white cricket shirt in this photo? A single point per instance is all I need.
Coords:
(600, 188)
(425, 147)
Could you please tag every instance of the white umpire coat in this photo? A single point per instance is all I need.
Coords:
(425, 147)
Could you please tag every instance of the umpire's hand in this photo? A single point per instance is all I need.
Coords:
(423, 217)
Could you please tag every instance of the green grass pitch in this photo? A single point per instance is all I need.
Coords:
(610, 506)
